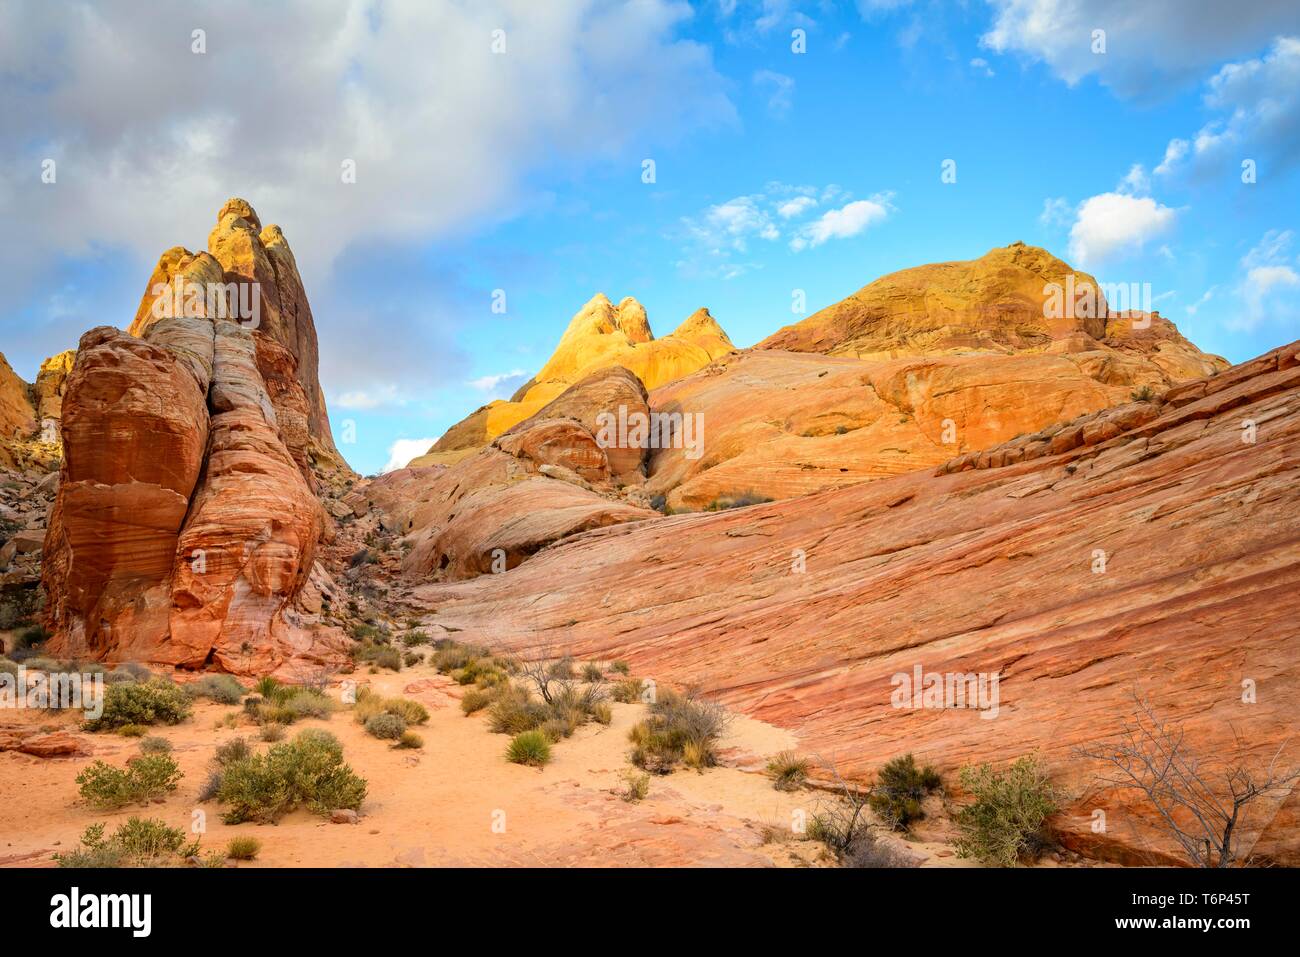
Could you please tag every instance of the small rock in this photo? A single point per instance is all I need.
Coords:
(343, 816)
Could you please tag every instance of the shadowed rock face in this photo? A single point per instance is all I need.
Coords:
(186, 525)
(801, 612)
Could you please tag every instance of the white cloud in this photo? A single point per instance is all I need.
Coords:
(1268, 289)
(1056, 211)
(1113, 223)
(1195, 307)
(365, 399)
(490, 383)
(981, 66)
(779, 89)
(843, 223)
(444, 132)
(1259, 105)
(1147, 43)
(403, 450)
(1135, 181)
(795, 207)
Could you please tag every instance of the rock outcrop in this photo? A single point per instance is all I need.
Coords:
(17, 417)
(1158, 554)
(599, 337)
(185, 528)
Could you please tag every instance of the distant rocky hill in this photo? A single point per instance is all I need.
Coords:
(600, 336)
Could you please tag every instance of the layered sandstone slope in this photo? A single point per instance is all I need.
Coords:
(1156, 550)
(185, 527)
(600, 336)
(29, 416)
(911, 370)
(17, 417)
(544, 479)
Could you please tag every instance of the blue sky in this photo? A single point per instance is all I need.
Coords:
(522, 170)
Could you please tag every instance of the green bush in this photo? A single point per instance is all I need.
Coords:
(136, 843)
(146, 777)
(529, 747)
(243, 848)
(413, 638)
(638, 786)
(152, 744)
(271, 732)
(1007, 822)
(476, 699)
(236, 749)
(412, 712)
(306, 703)
(151, 702)
(309, 770)
(133, 730)
(681, 728)
(622, 667)
(385, 726)
(266, 686)
(788, 771)
(900, 788)
(627, 691)
(515, 711)
(223, 689)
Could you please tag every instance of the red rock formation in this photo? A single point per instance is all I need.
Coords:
(186, 525)
(801, 612)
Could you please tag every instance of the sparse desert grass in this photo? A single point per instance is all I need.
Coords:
(1007, 821)
(736, 500)
(409, 740)
(627, 691)
(385, 726)
(309, 770)
(415, 637)
(622, 667)
(680, 729)
(144, 778)
(223, 689)
(152, 744)
(142, 703)
(638, 786)
(476, 699)
(529, 747)
(138, 842)
(133, 730)
(788, 771)
(900, 788)
(591, 672)
(243, 848)
(271, 732)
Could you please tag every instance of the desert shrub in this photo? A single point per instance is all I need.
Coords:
(223, 689)
(627, 691)
(740, 500)
(1007, 822)
(118, 676)
(638, 786)
(681, 728)
(243, 848)
(412, 712)
(389, 658)
(409, 739)
(788, 771)
(529, 747)
(1144, 394)
(42, 664)
(309, 770)
(414, 638)
(515, 710)
(146, 777)
(385, 726)
(601, 713)
(138, 842)
(266, 686)
(622, 667)
(412, 658)
(236, 749)
(555, 729)
(591, 672)
(868, 851)
(133, 730)
(31, 637)
(452, 655)
(151, 702)
(211, 785)
(138, 671)
(152, 744)
(900, 788)
(476, 699)
(271, 732)
(562, 668)
(307, 703)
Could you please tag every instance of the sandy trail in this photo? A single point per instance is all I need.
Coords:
(456, 802)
